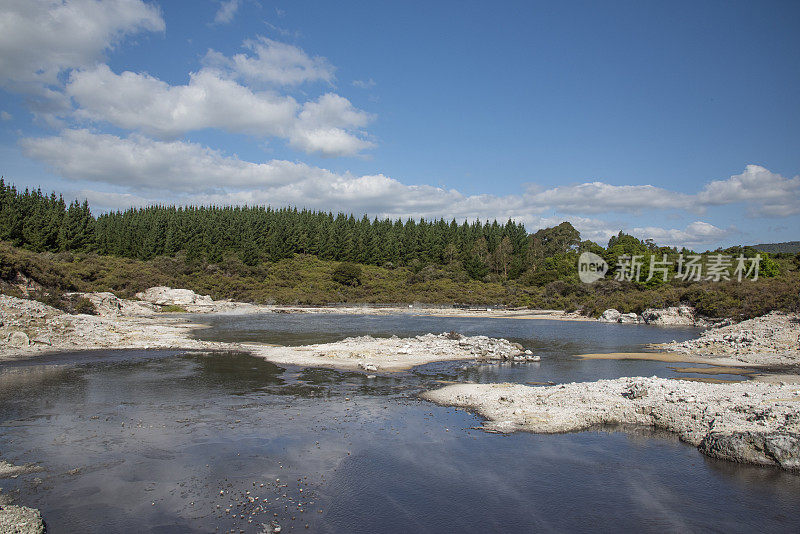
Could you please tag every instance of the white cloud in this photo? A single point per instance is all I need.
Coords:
(324, 126)
(143, 171)
(599, 197)
(5, 116)
(104, 201)
(696, 234)
(272, 63)
(328, 126)
(364, 84)
(189, 172)
(39, 39)
(227, 10)
(142, 163)
(141, 102)
(765, 193)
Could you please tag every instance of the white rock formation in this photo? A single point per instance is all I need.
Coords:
(610, 316)
(746, 421)
(672, 316)
(167, 296)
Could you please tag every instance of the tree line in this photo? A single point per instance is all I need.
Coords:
(41, 222)
(257, 234)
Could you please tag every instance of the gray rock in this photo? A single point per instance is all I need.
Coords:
(43, 340)
(20, 520)
(778, 448)
(672, 316)
(629, 318)
(19, 339)
(636, 390)
(610, 316)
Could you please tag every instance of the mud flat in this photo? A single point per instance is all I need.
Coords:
(744, 422)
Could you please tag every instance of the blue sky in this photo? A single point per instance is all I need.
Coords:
(677, 121)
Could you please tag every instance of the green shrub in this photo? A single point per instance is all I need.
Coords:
(85, 306)
(347, 274)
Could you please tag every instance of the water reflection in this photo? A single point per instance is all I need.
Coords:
(145, 441)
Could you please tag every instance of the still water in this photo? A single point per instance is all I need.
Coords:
(166, 441)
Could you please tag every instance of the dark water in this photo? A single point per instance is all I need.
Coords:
(156, 435)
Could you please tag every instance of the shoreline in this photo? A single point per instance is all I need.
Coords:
(747, 422)
(33, 328)
(139, 324)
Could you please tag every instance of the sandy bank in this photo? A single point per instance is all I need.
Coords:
(745, 422)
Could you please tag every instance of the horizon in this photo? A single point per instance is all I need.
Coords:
(660, 121)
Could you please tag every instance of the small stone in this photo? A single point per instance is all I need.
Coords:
(19, 339)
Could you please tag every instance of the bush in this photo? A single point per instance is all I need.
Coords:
(347, 274)
(85, 306)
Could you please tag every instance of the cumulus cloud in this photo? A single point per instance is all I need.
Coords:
(599, 197)
(144, 170)
(696, 234)
(142, 163)
(227, 10)
(329, 125)
(765, 193)
(190, 172)
(141, 102)
(272, 63)
(40, 39)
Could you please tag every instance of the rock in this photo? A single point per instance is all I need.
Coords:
(629, 318)
(43, 340)
(19, 339)
(610, 316)
(368, 366)
(775, 336)
(20, 520)
(166, 296)
(672, 316)
(779, 448)
(635, 390)
(748, 422)
(109, 305)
